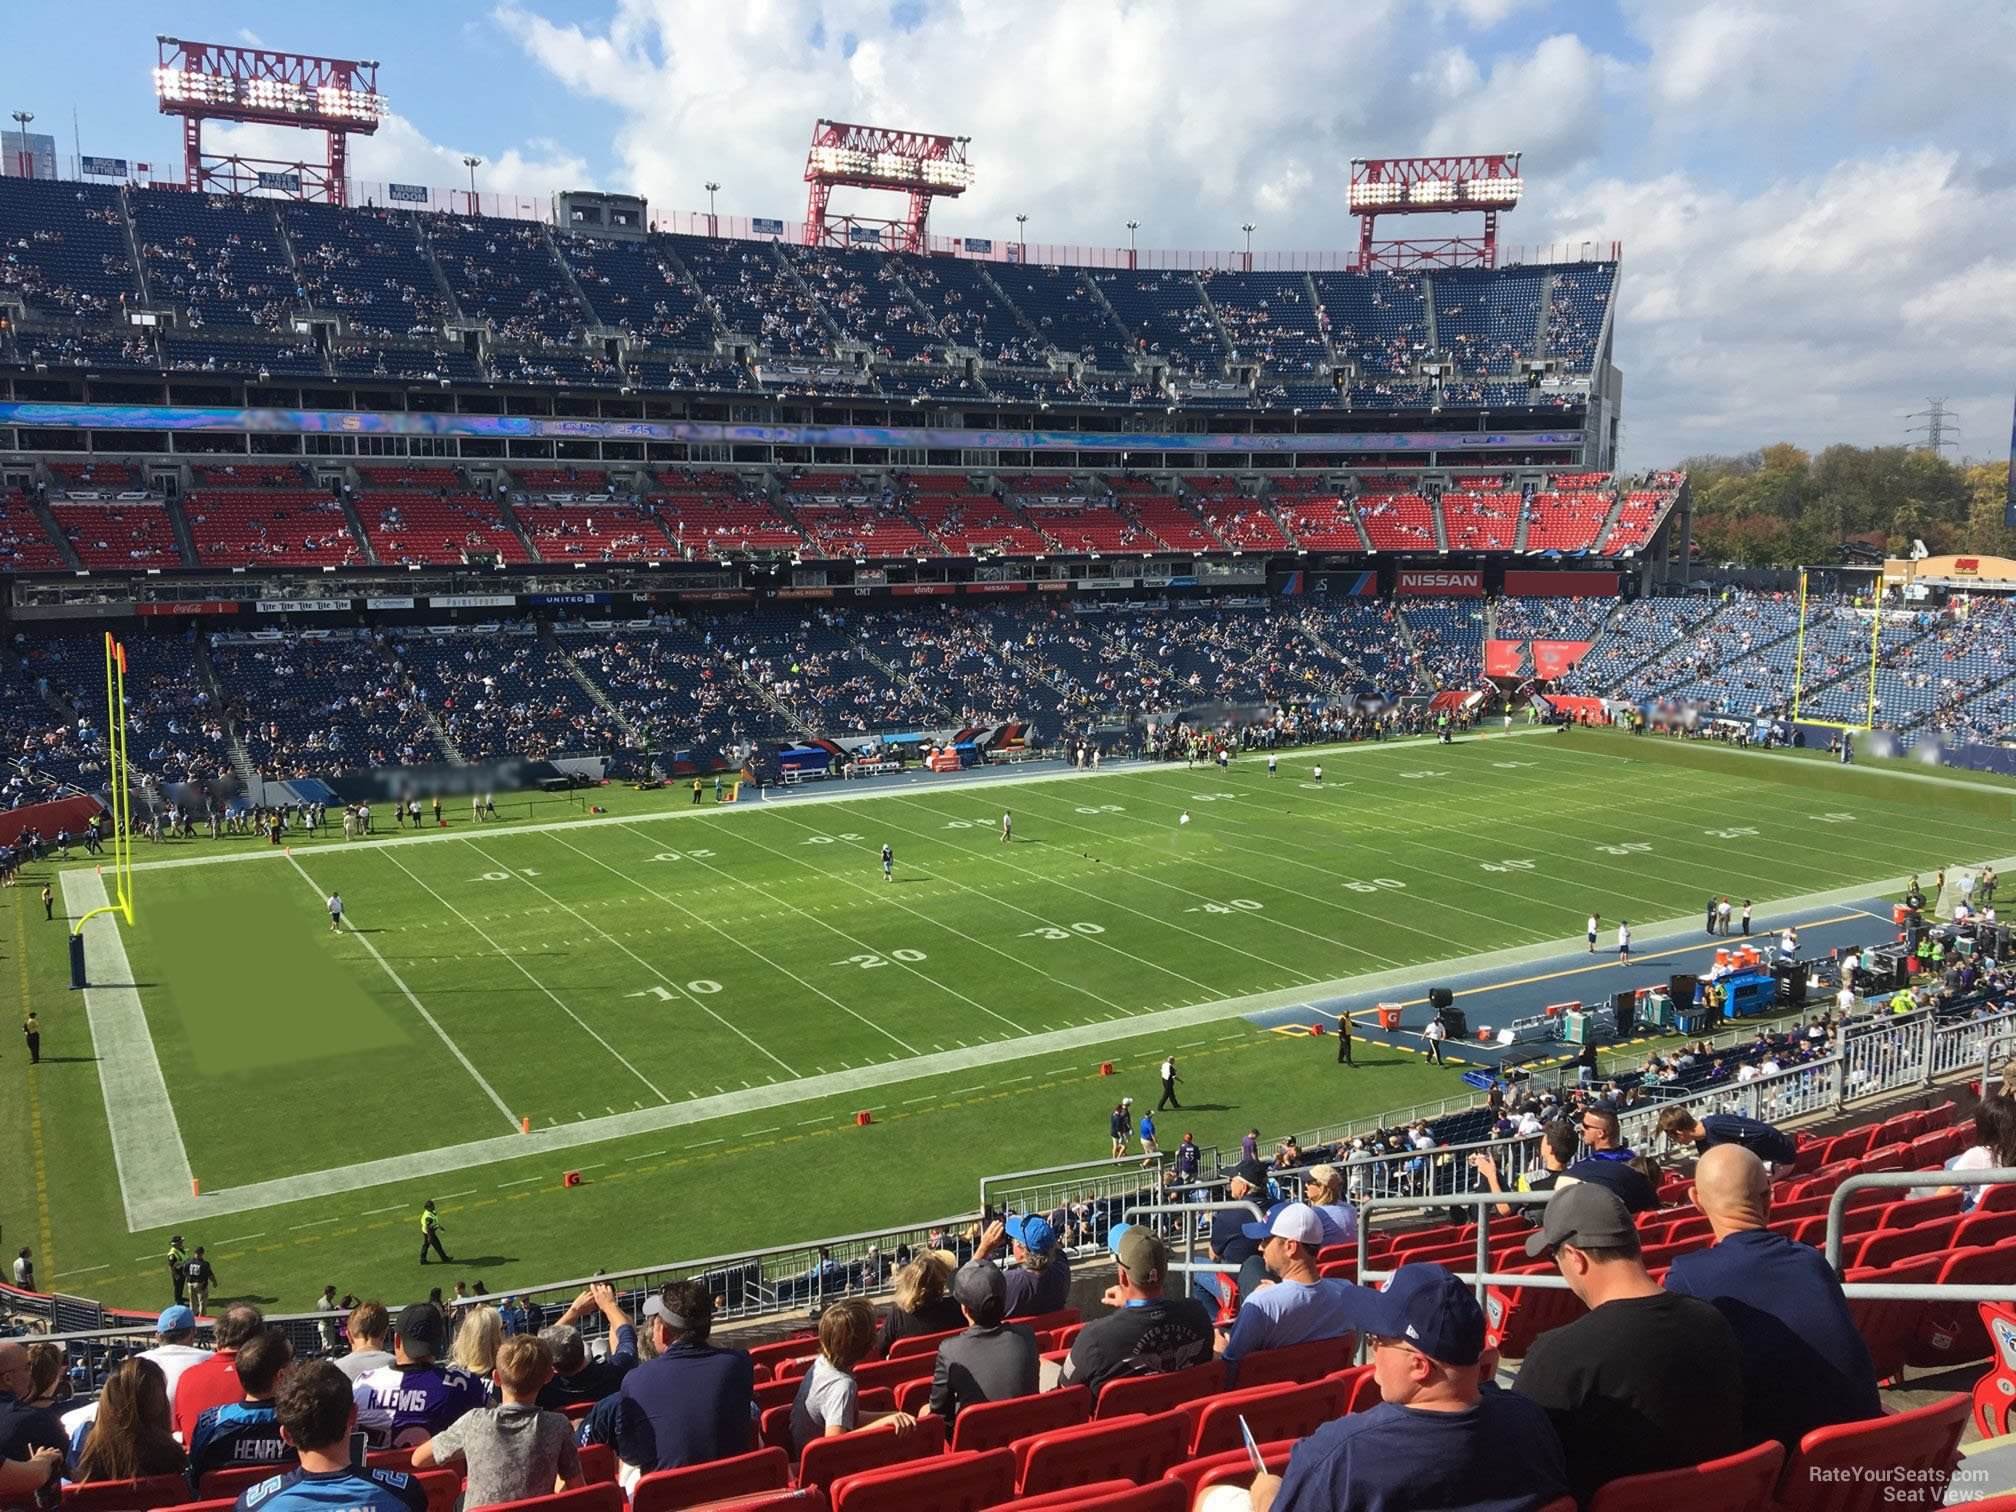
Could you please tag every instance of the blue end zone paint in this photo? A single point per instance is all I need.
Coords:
(1497, 998)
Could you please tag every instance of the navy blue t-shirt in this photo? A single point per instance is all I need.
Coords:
(1804, 1363)
(1760, 1139)
(1499, 1456)
(1607, 1168)
(335, 1491)
(238, 1433)
(688, 1406)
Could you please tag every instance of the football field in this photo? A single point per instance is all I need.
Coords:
(690, 1005)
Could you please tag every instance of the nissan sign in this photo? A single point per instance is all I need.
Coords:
(1442, 584)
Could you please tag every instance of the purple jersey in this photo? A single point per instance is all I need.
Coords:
(403, 1405)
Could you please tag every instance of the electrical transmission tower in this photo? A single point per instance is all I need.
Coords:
(1939, 427)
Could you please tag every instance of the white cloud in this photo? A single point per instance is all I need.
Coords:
(249, 37)
(1808, 205)
(399, 152)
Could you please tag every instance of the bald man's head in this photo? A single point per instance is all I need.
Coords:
(1732, 1187)
(13, 1369)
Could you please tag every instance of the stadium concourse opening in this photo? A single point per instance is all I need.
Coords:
(989, 685)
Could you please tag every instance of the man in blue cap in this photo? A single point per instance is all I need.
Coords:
(1442, 1435)
(1040, 1281)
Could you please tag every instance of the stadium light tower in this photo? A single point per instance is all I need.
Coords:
(918, 164)
(1485, 183)
(202, 81)
(22, 118)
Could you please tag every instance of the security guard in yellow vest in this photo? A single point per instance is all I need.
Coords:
(178, 1257)
(430, 1233)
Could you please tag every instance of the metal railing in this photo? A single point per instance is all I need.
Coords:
(1082, 1184)
(1187, 1228)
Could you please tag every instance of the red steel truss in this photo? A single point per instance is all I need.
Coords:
(211, 81)
(1481, 183)
(917, 164)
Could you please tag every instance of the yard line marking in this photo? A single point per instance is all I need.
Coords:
(373, 1212)
(313, 1223)
(804, 1121)
(653, 1154)
(677, 987)
(927, 1097)
(595, 1167)
(453, 1195)
(147, 1146)
(928, 919)
(521, 1181)
(754, 1132)
(166, 1208)
(1014, 1079)
(735, 939)
(704, 1143)
(418, 1006)
(85, 1271)
(962, 1091)
(240, 1239)
(523, 971)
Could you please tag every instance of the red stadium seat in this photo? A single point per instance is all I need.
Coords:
(765, 1469)
(1233, 1468)
(1287, 1410)
(798, 1499)
(1952, 1333)
(773, 1428)
(827, 1460)
(604, 1496)
(1139, 1449)
(1845, 1468)
(1997, 1199)
(598, 1463)
(767, 1357)
(874, 1373)
(1735, 1483)
(1117, 1496)
(1890, 1328)
(1519, 1316)
(1158, 1393)
(1977, 1229)
(1297, 1362)
(947, 1483)
(913, 1396)
(127, 1495)
(920, 1344)
(1916, 1210)
(995, 1425)
(1887, 1246)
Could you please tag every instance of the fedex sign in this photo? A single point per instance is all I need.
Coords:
(1442, 583)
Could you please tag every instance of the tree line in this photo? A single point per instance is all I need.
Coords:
(1784, 506)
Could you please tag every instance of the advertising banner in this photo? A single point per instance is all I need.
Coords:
(388, 603)
(567, 598)
(1532, 658)
(188, 606)
(921, 590)
(301, 606)
(1440, 582)
(473, 601)
(997, 587)
(1561, 584)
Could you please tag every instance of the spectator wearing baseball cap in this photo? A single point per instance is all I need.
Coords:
(1147, 1333)
(1298, 1307)
(992, 1360)
(692, 1403)
(1442, 1434)
(1648, 1379)
(415, 1397)
(174, 1352)
(1041, 1280)
(213, 1381)
(1228, 1244)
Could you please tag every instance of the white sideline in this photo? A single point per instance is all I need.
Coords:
(147, 1143)
(178, 1206)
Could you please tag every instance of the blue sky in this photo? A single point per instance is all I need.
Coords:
(1813, 198)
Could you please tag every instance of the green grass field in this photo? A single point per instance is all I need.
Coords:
(691, 1005)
